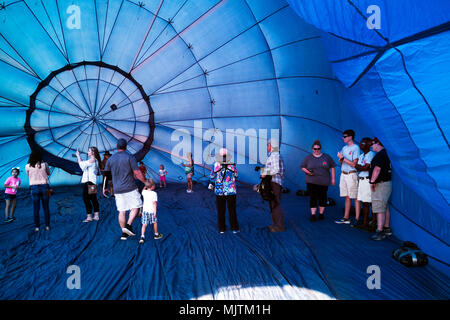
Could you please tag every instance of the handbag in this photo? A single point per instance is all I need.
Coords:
(50, 192)
(92, 189)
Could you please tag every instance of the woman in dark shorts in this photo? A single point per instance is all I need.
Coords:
(317, 167)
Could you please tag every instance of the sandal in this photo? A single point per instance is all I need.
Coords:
(96, 217)
(88, 219)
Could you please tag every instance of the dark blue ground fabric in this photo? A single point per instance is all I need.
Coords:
(193, 261)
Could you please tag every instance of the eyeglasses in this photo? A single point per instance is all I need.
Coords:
(345, 137)
(316, 148)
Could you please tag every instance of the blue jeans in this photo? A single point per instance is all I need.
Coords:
(38, 193)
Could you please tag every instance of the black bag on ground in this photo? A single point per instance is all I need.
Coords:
(331, 202)
(302, 193)
(410, 255)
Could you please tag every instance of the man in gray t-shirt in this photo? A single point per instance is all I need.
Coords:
(124, 170)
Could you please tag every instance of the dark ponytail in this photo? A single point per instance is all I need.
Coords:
(316, 143)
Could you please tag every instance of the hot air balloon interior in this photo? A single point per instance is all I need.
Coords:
(205, 79)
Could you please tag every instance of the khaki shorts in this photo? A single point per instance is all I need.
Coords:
(380, 196)
(348, 185)
(128, 201)
(364, 192)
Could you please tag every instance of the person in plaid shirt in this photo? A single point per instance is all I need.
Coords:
(275, 168)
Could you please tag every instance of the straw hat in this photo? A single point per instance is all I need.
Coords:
(223, 153)
(275, 145)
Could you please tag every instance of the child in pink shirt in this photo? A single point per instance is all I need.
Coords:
(12, 184)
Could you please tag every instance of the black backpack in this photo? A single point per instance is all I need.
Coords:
(410, 255)
(265, 189)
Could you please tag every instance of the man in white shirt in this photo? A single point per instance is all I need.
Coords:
(348, 184)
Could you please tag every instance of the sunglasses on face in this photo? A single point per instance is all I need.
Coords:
(316, 148)
(344, 137)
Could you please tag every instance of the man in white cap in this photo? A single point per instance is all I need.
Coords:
(275, 168)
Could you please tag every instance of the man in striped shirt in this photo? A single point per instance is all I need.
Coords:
(275, 168)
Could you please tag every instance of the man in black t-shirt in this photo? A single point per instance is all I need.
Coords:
(381, 187)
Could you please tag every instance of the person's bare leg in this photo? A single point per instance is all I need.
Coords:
(313, 211)
(357, 209)
(155, 228)
(133, 213)
(122, 219)
(8, 204)
(381, 216)
(348, 204)
(144, 227)
(388, 218)
(321, 210)
(13, 207)
(366, 213)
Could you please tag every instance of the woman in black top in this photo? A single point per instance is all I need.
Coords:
(317, 167)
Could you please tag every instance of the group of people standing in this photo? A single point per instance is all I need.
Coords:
(365, 178)
(38, 173)
(223, 180)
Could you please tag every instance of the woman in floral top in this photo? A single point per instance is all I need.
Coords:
(223, 176)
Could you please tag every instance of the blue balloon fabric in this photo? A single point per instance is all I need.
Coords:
(396, 72)
(177, 76)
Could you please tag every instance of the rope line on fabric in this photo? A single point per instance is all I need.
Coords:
(410, 220)
(423, 97)
(409, 135)
(424, 34)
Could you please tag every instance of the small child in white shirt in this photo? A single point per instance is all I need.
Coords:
(148, 215)
(162, 176)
